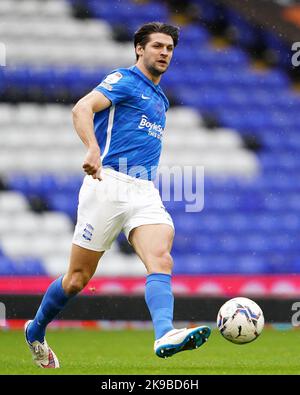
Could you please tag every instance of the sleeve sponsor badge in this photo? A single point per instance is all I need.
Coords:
(106, 86)
(113, 78)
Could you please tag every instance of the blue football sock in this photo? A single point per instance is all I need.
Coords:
(53, 302)
(160, 302)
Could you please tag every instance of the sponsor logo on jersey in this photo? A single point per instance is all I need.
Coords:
(153, 128)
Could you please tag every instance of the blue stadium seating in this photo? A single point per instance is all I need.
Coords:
(246, 226)
(30, 267)
(7, 266)
(64, 202)
(44, 184)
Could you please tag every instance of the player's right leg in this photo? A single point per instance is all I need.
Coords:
(83, 263)
(99, 221)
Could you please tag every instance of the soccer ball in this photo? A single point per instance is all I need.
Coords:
(240, 320)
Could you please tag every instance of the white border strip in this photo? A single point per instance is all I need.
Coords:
(109, 129)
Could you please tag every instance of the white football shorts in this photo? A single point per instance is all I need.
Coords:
(116, 203)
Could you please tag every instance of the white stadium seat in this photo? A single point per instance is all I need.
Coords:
(12, 202)
(6, 223)
(27, 223)
(8, 161)
(54, 8)
(6, 8)
(56, 223)
(56, 264)
(45, 33)
(114, 263)
(63, 244)
(183, 118)
(7, 115)
(16, 246)
(41, 244)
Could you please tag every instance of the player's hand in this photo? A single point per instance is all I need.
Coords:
(92, 163)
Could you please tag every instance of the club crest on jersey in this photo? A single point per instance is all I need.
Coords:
(113, 78)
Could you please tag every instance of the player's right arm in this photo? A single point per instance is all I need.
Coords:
(83, 120)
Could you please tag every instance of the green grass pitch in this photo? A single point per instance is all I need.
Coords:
(130, 352)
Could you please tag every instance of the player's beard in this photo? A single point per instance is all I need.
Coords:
(155, 71)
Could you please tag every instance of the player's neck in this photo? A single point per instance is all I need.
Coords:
(155, 79)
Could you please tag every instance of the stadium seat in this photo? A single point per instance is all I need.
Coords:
(66, 203)
(7, 267)
(250, 198)
(29, 267)
(12, 202)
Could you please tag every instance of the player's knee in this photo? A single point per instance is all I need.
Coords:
(77, 281)
(167, 262)
(162, 263)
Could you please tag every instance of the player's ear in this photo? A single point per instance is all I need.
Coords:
(139, 50)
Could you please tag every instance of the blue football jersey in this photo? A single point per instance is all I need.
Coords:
(130, 131)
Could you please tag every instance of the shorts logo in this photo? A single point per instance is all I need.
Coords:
(88, 232)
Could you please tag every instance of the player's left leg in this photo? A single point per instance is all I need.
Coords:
(153, 244)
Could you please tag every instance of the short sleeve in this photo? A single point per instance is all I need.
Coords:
(115, 86)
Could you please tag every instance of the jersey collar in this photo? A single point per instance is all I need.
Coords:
(146, 79)
(157, 87)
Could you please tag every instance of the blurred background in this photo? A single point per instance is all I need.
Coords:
(235, 100)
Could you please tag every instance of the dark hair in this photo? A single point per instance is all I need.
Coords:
(141, 36)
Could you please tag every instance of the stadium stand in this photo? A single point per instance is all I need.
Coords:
(238, 121)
